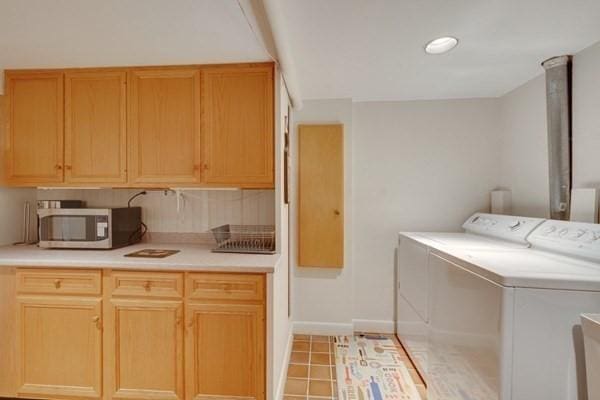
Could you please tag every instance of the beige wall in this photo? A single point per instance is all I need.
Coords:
(200, 210)
(323, 297)
(524, 135)
(281, 319)
(524, 149)
(418, 166)
(423, 165)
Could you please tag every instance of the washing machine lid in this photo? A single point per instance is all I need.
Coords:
(443, 240)
(482, 231)
(530, 268)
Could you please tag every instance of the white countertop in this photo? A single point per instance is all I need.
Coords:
(192, 257)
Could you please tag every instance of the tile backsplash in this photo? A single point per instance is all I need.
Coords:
(199, 210)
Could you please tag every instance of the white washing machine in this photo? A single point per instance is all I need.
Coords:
(481, 231)
(504, 323)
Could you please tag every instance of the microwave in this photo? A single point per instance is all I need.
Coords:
(89, 228)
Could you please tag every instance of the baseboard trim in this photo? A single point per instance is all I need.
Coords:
(336, 328)
(372, 325)
(322, 328)
(284, 369)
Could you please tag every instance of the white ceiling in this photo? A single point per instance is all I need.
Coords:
(373, 49)
(360, 49)
(77, 33)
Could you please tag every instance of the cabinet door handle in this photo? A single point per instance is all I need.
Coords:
(58, 167)
(57, 283)
(96, 320)
(148, 286)
(336, 212)
(68, 167)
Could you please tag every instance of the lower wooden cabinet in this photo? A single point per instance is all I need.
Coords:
(144, 349)
(225, 347)
(139, 335)
(59, 342)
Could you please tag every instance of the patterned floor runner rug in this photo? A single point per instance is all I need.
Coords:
(369, 367)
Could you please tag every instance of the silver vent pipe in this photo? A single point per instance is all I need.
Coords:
(558, 104)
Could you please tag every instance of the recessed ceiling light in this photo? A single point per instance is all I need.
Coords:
(441, 45)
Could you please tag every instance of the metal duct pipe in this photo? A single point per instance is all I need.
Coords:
(558, 104)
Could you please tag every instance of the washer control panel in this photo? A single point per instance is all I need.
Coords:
(506, 227)
(572, 238)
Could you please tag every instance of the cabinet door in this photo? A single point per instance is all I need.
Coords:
(35, 140)
(164, 127)
(238, 126)
(95, 127)
(59, 347)
(225, 347)
(321, 196)
(144, 349)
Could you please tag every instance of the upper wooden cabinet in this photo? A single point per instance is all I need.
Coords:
(34, 153)
(237, 123)
(154, 127)
(95, 127)
(164, 126)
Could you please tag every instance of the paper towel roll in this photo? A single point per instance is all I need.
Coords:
(584, 205)
(501, 202)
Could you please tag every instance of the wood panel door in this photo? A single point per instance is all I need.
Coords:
(238, 126)
(59, 347)
(321, 196)
(95, 127)
(144, 349)
(225, 347)
(35, 125)
(164, 127)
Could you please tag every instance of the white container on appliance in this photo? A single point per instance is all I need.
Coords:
(591, 332)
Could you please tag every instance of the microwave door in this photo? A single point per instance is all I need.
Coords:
(68, 229)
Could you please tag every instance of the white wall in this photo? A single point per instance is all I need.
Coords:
(11, 214)
(200, 210)
(281, 340)
(524, 135)
(586, 117)
(405, 170)
(422, 165)
(524, 148)
(323, 298)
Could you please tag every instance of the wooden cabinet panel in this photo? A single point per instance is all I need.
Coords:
(214, 286)
(57, 281)
(164, 126)
(144, 349)
(321, 196)
(35, 119)
(8, 332)
(225, 351)
(59, 347)
(238, 126)
(95, 127)
(147, 284)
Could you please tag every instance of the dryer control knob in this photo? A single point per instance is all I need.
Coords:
(563, 232)
(514, 225)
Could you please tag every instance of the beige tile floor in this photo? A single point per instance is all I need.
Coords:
(311, 373)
